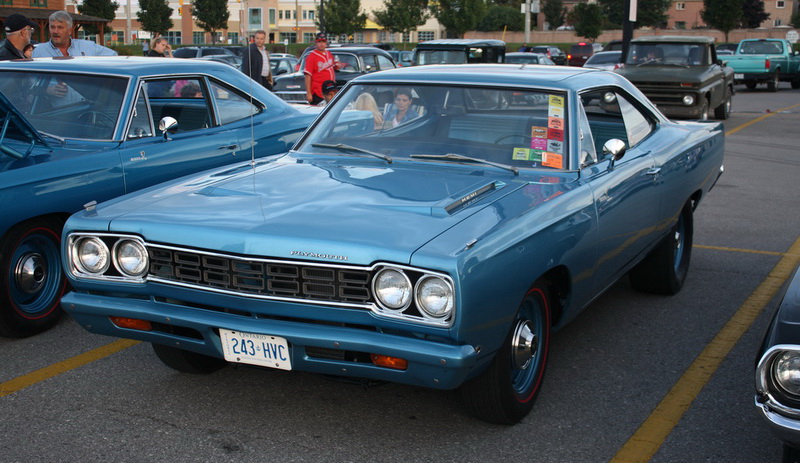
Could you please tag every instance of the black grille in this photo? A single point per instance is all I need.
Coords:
(293, 280)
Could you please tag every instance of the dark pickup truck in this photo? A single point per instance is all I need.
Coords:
(680, 75)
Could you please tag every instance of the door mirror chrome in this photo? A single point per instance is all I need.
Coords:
(167, 125)
(614, 148)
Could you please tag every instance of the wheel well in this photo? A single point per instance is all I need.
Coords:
(61, 217)
(558, 283)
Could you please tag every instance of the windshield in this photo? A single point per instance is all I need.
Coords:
(66, 105)
(676, 54)
(513, 128)
(441, 57)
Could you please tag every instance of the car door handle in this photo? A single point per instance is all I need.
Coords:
(229, 147)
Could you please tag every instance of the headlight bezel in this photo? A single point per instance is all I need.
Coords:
(770, 389)
(112, 270)
(418, 299)
(413, 311)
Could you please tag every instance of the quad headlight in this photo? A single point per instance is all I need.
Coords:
(392, 288)
(91, 255)
(434, 296)
(786, 372)
(130, 258)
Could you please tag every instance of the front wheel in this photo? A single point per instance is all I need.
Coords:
(33, 282)
(506, 391)
(186, 361)
(723, 111)
(703, 116)
(664, 270)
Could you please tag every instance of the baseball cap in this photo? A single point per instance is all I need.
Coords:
(322, 37)
(329, 86)
(15, 22)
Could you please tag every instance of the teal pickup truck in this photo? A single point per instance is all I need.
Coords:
(765, 61)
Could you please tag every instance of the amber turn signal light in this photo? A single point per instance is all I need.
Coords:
(389, 362)
(132, 323)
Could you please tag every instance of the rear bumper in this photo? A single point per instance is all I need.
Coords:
(314, 347)
(757, 77)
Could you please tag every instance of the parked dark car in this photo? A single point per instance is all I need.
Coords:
(554, 53)
(439, 248)
(606, 60)
(199, 52)
(237, 50)
(402, 58)
(459, 51)
(777, 372)
(528, 58)
(93, 128)
(579, 53)
(357, 61)
(614, 45)
(282, 65)
(681, 75)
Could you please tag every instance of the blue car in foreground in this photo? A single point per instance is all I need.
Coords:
(433, 227)
(89, 129)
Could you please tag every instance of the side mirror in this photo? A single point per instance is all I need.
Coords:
(614, 148)
(368, 68)
(167, 125)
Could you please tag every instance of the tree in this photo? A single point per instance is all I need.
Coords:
(105, 9)
(344, 17)
(154, 16)
(587, 18)
(402, 16)
(796, 19)
(459, 16)
(554, 13)
(753, 14)
(649, 13)
(723, 15)
(500, 17)
(211, 16)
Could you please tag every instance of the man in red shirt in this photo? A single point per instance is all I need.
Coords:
(320, 66)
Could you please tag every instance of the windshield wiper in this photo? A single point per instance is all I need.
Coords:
(459, 157)
(343, 147)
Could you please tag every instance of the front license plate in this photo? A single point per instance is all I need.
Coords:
(256, 349)
(738, 76)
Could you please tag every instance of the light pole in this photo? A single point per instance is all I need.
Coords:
(527, 21)
(127, 40)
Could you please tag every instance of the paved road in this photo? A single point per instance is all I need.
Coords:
(631, 365)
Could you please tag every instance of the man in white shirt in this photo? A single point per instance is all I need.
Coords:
(61, 42)
(255, 61)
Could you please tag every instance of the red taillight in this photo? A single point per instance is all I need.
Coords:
(582, 43)
(766, 64)
(569, 56)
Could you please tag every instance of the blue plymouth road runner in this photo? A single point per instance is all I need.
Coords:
(81, 129)
(433, 227)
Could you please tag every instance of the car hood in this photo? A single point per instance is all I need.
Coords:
(656, 73)
(326, 209)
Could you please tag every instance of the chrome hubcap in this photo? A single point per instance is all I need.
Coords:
(524, 344)
(31, 273)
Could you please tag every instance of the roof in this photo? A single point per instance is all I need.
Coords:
(565, 77)
(674, 38)
(119, 65)
(462, 43)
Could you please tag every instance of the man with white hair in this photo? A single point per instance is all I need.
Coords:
(62, 44)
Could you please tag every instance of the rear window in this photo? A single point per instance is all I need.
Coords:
(185, 53)
(581, 49)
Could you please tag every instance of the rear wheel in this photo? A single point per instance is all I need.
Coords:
(506, 391)
(772, 85)
(723, 111)
(33, 282)
(665, 269)
(186, 361)
(750, 85)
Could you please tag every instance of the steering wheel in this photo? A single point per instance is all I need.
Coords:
(524, 138)
(98, 118)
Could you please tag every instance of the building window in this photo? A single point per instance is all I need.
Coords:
(6, 2)
(358, 37)
(198, 37)
(290, 36)
(174, 37)
(280, 14)
(272, 17)
(254, 19)
(287, 14)
(424, 36)
(406, 37)
(778, 22)
(42, 3)
(308, 37)
(680, 6)
(312, 14)
(680, 25)
(233, 38)
(780, 4)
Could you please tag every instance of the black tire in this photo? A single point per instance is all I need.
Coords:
(703, 116)
(506, 391)
(33, 283)
(750, 85)
(772, 85)
(796, 84)
(664, 270)
(723, 111)
(186, 361)
(790, 454)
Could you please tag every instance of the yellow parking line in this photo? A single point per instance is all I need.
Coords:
(21, 382)
(760, 118)
(750, 251)
(651, 434)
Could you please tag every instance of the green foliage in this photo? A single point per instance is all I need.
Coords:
(649, 13)
(723, 15)
(344, 17)
(587, 18)
(211, 16)
(154, 16)
(753, 14)
(499, 17)
(402, 15)
(554, 12)
(459, 16)
(100, 9)
(796, 19)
